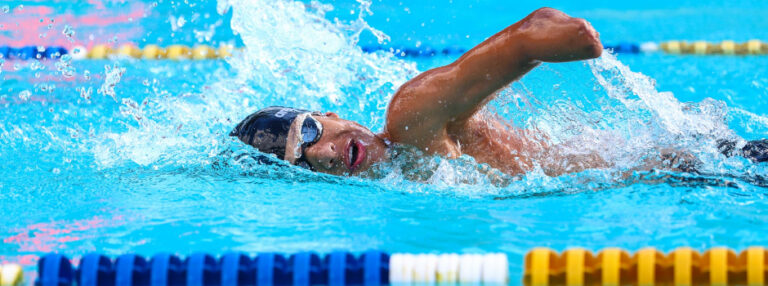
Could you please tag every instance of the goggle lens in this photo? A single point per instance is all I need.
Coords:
(311, 131)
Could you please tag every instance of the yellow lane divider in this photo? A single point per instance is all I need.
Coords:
(751, 47)
(154, 52)
(683, 266)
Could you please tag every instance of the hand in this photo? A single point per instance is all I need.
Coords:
(553, 36)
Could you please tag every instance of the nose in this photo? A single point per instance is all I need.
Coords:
(323, 155)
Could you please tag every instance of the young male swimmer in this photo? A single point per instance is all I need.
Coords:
(437, 112)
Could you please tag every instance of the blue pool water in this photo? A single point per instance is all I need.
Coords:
(132, 156)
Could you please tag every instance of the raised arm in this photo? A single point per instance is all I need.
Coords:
(426, 105)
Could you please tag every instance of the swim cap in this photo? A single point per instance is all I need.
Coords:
(267, 129)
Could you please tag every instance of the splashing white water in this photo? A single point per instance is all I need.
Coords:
(637, 92)
(302, 59)
(293, 56)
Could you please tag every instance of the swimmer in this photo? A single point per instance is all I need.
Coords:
(438, 111)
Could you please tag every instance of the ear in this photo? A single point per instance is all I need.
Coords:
(331, 114)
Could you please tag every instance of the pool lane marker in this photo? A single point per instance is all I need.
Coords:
(11, 275)
(205, 52)
(153, 52)
(612, 266)
(542, 266)
(306, 268)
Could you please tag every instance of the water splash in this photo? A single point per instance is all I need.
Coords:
(293, 56)
(625, 121)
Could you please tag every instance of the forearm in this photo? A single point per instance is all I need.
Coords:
(451, 94)
(454, 92)
(544, 35)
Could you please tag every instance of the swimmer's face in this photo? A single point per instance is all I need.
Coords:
(345, 147)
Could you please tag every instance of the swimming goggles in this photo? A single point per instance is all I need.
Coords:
(311, 131)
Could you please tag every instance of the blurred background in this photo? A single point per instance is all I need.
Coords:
(438, 22)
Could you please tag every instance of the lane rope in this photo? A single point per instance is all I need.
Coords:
(304, 268)
(541, 266)
(205, 52)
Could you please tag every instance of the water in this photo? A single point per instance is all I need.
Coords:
(132, 156)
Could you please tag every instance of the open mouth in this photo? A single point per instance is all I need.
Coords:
(355, 155)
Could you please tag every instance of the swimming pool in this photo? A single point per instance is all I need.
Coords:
(128, 155)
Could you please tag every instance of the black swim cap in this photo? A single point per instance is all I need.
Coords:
(267, 129)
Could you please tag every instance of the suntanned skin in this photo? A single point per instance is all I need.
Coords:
(438, 111)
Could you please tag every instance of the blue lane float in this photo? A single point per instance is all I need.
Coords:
(31, 52)
(423, 51)
(624, 48)
(231, 269)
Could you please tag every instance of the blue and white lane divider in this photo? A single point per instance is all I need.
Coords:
(203, 52)
(32, 52)
(336, 269)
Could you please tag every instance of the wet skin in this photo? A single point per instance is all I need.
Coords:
(345, 148)
(438, 110)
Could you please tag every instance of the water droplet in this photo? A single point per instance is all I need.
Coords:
(24, 95)
(87, 74)
(6, 9)
(56, 171)
(69, 33)
(64, 65)
(85, 93)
